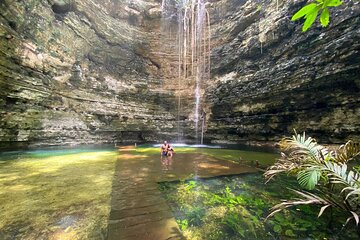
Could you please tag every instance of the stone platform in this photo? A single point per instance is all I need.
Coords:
(138, 209)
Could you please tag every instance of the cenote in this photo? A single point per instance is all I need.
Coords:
(179, 119)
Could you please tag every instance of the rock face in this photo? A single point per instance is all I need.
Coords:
(75, 72)
(270, 78)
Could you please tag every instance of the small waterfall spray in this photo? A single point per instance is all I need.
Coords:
(193, 49)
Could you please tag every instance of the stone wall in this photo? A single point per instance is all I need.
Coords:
(76, 72)
(270, 78)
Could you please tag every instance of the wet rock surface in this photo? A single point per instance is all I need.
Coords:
(270, 78)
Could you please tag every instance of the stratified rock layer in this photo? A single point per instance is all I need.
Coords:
(75, 72)
(270, 78)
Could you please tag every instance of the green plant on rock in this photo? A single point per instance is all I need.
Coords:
(183, 224)
(226, 198)
(324, 172)
(195, 215)
(310, 11)
(233, 220)
(189, 186)
(286, 223)
(187, 194)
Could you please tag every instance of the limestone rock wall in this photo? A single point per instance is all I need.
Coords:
(74, 71)
(270, 78)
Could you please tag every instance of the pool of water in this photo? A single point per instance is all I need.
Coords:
(55, 193)
(65, 193)
(236, 207)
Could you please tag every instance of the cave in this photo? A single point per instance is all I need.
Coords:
(163, 119)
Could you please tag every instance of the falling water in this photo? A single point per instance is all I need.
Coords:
(193, 48)
(203, 117)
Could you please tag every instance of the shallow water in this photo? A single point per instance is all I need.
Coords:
(65, 193)
(235, 207)
(55, 194)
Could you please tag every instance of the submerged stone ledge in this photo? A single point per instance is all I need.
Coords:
(138, 209)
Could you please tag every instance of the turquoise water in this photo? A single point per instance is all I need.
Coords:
(52, 151)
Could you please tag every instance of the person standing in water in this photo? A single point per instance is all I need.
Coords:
(164, 149)
(170, 151)
(166, 155)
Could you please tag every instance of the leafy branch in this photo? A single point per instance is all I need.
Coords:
(310, 11)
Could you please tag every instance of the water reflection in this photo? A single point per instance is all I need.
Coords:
(166, 162)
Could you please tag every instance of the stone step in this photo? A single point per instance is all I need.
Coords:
(163, 229)
(143, 218)
(137, 203)
(130, 212)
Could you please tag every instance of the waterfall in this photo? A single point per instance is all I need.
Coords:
(203, 118)
(193, 49)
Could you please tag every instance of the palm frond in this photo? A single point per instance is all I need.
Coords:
(316, 167)
(354, 191)
(284, 164)
(347, 152)
(349, 180)
(302, 150)
(338, 174)
(309, 177)
(302, 147)
(308, 199)
(356, 217)
(322, 209)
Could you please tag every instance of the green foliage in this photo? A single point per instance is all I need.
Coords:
(325, 17)
(317, 168)
(195, 215)
(277, 229)
(310, 12)
(183, 224)
(289, 224)
(235, 208)
(258, 7)
(233, 220)
(226, 198)
(308, 178)
(190, 185)
(290, 233)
